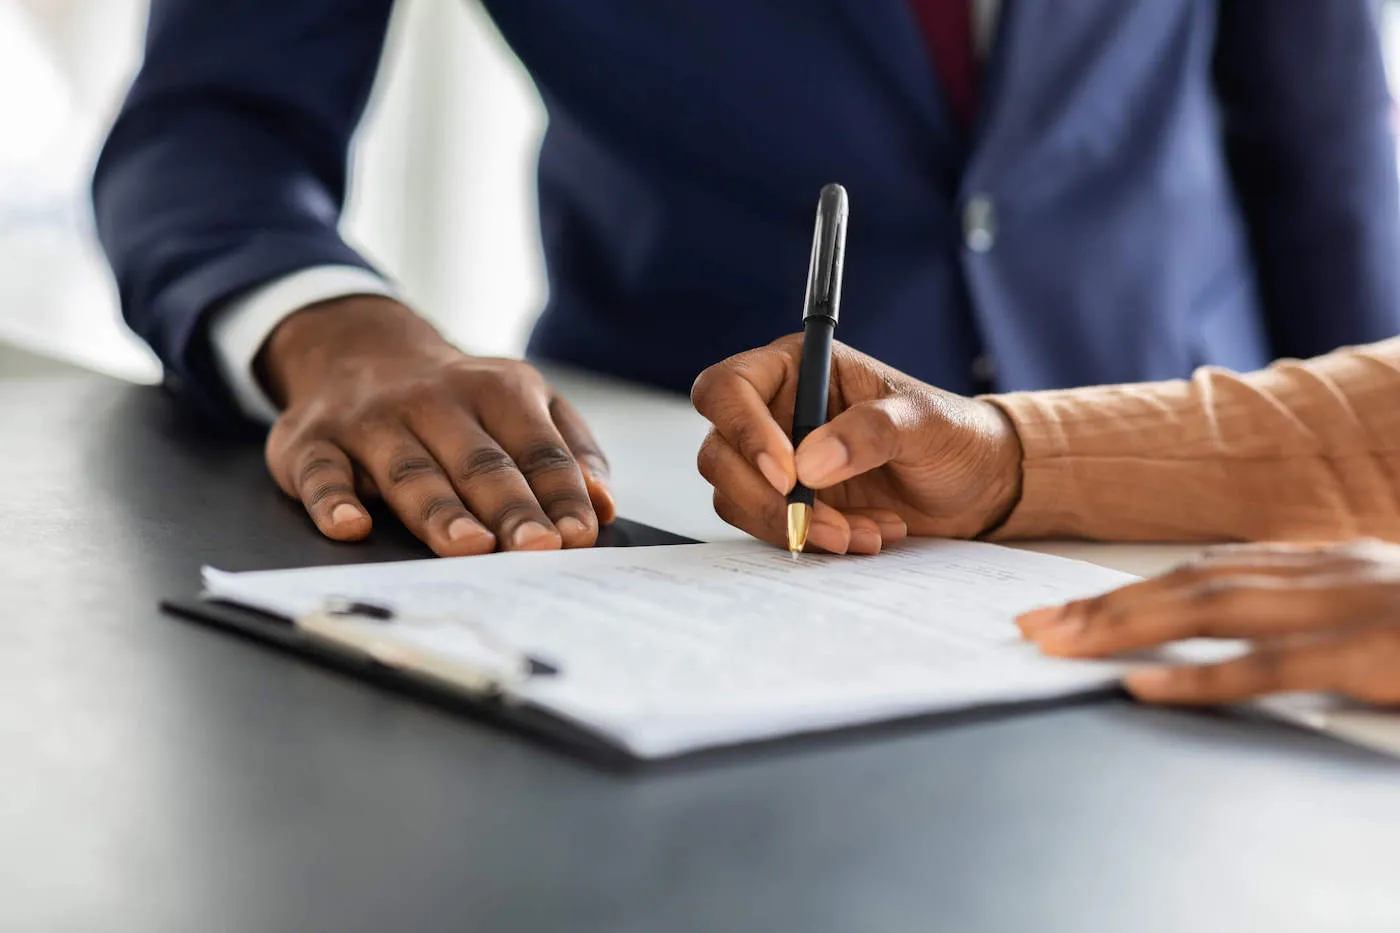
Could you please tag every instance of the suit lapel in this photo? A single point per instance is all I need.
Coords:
(997, 70)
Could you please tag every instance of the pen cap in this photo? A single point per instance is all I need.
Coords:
(828, 256)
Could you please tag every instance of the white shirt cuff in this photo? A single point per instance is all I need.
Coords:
(239, 330)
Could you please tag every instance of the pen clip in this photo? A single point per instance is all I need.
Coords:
(824, 273)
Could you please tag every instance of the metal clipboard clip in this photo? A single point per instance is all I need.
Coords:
(488, 669)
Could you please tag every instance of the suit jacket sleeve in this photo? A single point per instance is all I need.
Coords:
(1306, 113)
(226, 167)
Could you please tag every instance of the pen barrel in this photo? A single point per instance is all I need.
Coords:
(813, 378)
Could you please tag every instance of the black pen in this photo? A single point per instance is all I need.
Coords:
(819, 312)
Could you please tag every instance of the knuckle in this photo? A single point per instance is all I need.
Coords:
(565, 502)
(702, 386)
(484, 463)
(713, 388)
(707, 460)
(516, 512)
(1093, 609)
(439, 506)
(406, 469)
(1213, 593)
(502, 377)
(1111, 618)
(544, 458)
(318, 493)
(746, 437)
(792, 343)
(313, 469)
(596, 462)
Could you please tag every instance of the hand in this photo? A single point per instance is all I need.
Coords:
(897, 457)
(1321, 618)
(469, 453)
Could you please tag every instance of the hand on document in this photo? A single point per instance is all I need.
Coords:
(1320, 618)
(898, 457)
(472, 454)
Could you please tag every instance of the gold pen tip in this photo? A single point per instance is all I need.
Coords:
(799, 522)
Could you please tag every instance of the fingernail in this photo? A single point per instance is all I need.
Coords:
(598, 488)
(817, 462)
(773, 473)
(530, 533)
(1150, 680)
(464, 528)
(344, 513)
(571, 527)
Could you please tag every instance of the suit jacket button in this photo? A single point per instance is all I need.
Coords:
(980, 224)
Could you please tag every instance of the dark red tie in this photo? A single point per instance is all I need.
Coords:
(947, 26)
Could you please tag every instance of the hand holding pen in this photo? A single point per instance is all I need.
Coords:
(897, 457)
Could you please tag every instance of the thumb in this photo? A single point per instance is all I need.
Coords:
(862, 438)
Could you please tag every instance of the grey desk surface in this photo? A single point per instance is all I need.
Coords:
(158, 776)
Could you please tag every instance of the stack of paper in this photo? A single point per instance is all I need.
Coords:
(671, 649)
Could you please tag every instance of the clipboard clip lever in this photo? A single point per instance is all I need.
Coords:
(490, 669)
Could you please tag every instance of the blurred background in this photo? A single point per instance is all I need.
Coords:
(443, 195)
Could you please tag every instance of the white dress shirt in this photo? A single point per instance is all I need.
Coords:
(239, 329)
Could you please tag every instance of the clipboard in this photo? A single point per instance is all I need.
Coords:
(338, 635)
(335, 637)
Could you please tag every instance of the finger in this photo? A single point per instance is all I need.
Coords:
(414, 485)
(1284, 560)
(1263, 549)
(735, 395)
(862, 438)
(829, 532)
(320, 475)
(597, 473)
(865, 534)
(487, 479)
(1225, 607)
(1195, 575)
(754, 506)
(893, 529)
(1364, 664)
(526, 431)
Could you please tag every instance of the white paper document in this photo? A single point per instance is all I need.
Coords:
(666, 650)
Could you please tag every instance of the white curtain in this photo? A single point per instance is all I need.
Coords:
(443, 194)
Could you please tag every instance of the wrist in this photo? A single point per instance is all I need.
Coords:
(1007, 466)
(314, 340)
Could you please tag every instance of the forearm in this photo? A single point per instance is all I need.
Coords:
(1300, 451)
(226, 167)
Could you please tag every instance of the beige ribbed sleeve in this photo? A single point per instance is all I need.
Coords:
(1299, 451)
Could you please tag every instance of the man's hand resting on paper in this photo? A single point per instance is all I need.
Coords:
(472, 454)
(1319, 618)
(897, 457)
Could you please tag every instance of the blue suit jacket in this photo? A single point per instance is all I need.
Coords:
(1174, 182)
